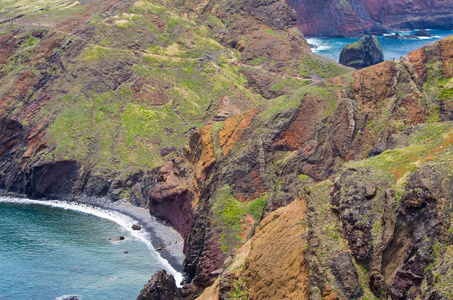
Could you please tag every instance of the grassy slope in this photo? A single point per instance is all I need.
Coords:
(118, 125)
(141, 78)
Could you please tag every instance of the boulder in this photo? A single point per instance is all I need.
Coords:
(71, 298)
(362, 54)
(117, 239)
(136, 227)
(376, 150)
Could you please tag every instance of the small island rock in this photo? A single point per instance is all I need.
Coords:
(363, 53)
(397, 36)
(422, 32)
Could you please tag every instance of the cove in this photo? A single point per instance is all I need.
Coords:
(53, 249)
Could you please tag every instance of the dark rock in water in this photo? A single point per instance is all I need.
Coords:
(422, 32)
(160, 248)
(162, 286)
(378, 149)
(397, 36)
(392, 37)
(136, 227)
(116, 239)
(362, 54)
(71, 298)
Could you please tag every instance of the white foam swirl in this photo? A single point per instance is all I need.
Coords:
(320, 44)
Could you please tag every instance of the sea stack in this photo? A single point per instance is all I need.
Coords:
(362, 54)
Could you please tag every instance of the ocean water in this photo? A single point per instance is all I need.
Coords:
(53, 249)
(331, 47)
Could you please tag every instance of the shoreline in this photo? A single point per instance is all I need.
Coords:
(158, 234)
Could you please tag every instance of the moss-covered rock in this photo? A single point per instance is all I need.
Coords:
(362, 54)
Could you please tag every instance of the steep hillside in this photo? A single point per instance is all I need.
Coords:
(95, 94)
(369, 152)
(288, 175)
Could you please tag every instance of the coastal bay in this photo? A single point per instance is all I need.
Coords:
(56, 249)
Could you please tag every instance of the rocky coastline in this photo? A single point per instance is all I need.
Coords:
(231, 130)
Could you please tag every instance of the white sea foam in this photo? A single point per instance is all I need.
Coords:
(320, 44)
(124, 221)
(67, 296)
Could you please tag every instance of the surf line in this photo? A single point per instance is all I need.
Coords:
(123, 220)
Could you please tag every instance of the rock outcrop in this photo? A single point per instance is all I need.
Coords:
(362, 54)
(280, 235)
(161, 286)
(411, 13)
(342, 176)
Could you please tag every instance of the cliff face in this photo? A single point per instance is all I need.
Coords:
(411, 14)
(360, 236)
(354, 18)
(326, 18)
(350, 171)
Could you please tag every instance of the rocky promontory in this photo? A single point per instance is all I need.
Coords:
(362, 54)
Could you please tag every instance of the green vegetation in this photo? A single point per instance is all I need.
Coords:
(431, 143)
(229, 214)
(311, 65)
(30, 42)
(237, 293)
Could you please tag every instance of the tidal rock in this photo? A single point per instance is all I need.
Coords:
(136, 227)
(362, 54)
(392, 37)
(116, 239)
(161, 286)
(71, 298)
(422, 32)
(397, 36)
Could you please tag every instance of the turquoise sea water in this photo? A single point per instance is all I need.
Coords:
(48, 252)
(331, 47)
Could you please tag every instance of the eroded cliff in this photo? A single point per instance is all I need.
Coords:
(370, 152)
(351, 171)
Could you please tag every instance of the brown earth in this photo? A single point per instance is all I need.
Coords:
(279, 235)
